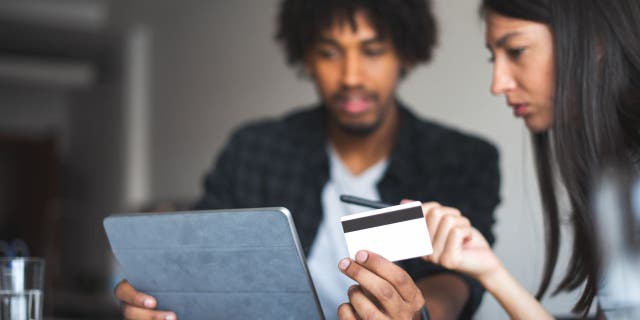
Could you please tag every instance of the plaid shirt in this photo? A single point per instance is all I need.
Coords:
(285, 163)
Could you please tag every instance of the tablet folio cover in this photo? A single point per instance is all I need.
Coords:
(232, 264)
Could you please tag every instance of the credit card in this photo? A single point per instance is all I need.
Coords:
(396, 233)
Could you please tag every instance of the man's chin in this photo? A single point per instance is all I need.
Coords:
(359, 130)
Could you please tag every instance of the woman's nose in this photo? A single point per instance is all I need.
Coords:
(502, 81)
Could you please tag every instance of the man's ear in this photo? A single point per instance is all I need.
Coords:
(307, 67)
(406, 68)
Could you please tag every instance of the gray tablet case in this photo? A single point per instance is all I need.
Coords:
(222, 264)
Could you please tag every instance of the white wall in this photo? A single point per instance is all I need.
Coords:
(216, 65)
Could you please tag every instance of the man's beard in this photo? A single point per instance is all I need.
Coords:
(361, 130)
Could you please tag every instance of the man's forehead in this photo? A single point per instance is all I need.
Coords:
(359, 26)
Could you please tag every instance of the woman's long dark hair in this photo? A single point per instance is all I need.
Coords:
(596, 117)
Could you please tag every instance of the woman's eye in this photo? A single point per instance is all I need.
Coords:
(515, 53)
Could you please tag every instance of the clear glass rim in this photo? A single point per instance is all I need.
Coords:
(4, 260)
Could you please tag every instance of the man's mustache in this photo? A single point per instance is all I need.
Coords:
(344, 94)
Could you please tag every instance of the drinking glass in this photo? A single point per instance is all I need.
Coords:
(21, 288)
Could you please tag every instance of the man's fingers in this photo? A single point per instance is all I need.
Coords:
(397, 277)
(139, 306)
(346, 312)
(389, 284)
(362, 305)
(129, 295)
(375, 286)
(136, 313)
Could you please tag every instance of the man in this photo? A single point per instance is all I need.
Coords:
(360, 140)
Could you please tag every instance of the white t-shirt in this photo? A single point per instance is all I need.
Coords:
(329, 246)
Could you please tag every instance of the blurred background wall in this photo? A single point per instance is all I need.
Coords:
(129, 103)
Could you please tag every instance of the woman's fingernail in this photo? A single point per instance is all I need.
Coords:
(362, 256)
(344, 264)
(148, 303)
(169, 317)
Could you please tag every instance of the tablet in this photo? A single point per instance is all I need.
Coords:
(220, 264)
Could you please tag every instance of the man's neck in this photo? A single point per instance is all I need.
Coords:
(360, 153)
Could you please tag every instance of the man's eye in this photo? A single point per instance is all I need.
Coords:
(373, 52)
(327, 53)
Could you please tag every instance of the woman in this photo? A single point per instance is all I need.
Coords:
(571, 70)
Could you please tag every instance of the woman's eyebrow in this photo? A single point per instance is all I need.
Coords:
(502, 40)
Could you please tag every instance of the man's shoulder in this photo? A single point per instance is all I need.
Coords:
(431, 135)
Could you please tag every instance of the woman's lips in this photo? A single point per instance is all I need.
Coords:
(520, 110)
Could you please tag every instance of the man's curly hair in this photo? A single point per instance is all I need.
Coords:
(410, 24)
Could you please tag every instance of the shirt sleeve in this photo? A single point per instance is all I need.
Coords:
(483, 192)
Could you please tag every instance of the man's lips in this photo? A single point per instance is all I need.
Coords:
(356, 105)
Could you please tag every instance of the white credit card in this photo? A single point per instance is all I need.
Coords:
(396, 233)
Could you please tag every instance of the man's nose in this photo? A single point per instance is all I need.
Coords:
(352, 71)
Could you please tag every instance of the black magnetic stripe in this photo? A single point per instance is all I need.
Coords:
(382, 219)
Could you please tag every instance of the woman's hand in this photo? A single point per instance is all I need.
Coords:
(460, 247)
(456, 244)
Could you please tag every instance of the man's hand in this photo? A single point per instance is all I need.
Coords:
(385, 290)
(139, 306)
